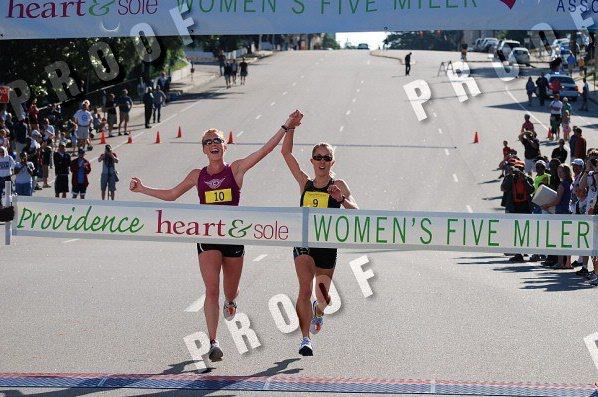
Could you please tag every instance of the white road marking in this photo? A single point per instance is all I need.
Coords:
(348, 112)
(169, 118)
(446, 151)
(273, 103)
(523, 107)
(240, 133)
(284, 93)
(469, 209)
(189, 107)
(341, 129)
(440, 130)
(455, 178)
(259, 116)
(592, 346)
(70, 241)
(259, 258)
(354, 100)
(197, 305)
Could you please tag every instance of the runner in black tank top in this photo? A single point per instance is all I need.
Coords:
(322, 191)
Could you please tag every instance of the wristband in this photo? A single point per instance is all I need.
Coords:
(285, 128)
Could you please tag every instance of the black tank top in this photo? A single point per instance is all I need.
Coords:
(315, 200)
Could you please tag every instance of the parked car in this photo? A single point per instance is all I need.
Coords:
(519, 55)
(568, 87)
(489, 44)
(477, 45)
(506, 46)
(363, 46)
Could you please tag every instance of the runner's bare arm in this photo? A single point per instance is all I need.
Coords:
(166, 194)
(287, 152)
(340, 189)
(240, 167)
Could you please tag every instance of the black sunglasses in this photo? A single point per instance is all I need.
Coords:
(216, 141)
(326, 158)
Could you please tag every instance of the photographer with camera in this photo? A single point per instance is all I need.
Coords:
(531, 144)
(517, 198)
(109, 174)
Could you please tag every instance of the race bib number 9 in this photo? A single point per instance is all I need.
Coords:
(315, 199)
(219, 196)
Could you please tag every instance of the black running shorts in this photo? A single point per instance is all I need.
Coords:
(324, 258)
(227, 250)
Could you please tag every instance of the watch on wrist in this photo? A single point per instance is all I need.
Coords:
(285, 128)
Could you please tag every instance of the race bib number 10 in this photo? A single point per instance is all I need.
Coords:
(219, 196)
(315, 199)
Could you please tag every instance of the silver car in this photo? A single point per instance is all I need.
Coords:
(568, 87)
(519, 55)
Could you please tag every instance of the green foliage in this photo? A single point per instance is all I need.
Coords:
(27, 60)
(425, 40)
(330, 42)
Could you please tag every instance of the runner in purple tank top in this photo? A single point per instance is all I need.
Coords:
(219, 183)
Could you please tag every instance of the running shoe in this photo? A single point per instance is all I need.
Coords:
(592, 278)
(316, 321)
(305, 348)
(215, 352)
(229, 310)
(576, 263)
(594, 282)
(583, 272)
(517, 258)
(535, 258)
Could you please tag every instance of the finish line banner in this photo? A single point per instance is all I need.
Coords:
(38, 19)
(290, 227)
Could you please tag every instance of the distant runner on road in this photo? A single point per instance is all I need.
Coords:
(408, 64)
(226, 180)
(323, 191)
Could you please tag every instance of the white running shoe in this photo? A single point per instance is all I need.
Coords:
(215, 352)
(229, 310)
(316, 321)
(305, 348)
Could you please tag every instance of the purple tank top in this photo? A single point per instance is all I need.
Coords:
(218, 189)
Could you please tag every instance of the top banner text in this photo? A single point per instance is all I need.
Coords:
(40, 19)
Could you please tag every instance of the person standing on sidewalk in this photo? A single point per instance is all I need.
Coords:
(159, 101)
(109, 174)
(125, 104)
(585, 95)
(80, 168)
(408, 64)
(110, 109)
(62, 163)
(542, 84)
(7, 166)
(148, 105)
(221, 61)
(530, 87)
(24, 171)
(243, 66)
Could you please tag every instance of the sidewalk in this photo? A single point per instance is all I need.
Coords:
(400, 56)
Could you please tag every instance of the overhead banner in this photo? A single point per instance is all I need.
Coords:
(31, 19)
(313, 227)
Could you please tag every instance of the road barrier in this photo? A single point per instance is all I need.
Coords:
(313, 227)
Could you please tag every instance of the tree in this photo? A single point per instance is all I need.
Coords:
(329, 42)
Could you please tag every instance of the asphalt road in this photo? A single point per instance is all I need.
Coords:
(74, 306)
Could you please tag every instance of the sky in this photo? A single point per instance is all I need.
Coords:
(373, 39)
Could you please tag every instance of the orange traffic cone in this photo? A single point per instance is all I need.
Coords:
(180, 134)
(231, 139)
(158, 137)
(130, 140)
(102, 138)
(476, 138)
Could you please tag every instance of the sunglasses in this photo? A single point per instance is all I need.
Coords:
(326, 158)
(216, 141)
